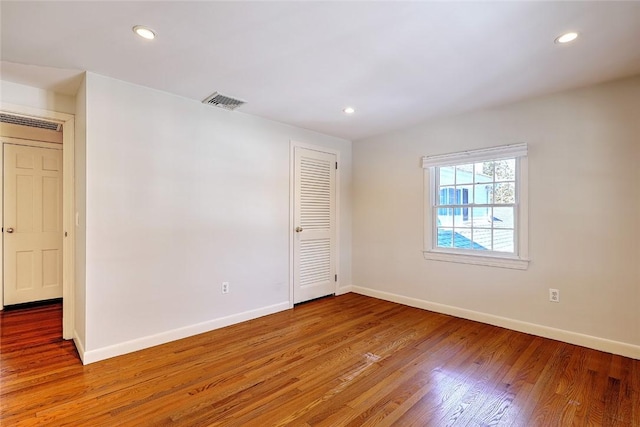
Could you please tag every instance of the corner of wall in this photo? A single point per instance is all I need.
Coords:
(344, 290)
(80, 225)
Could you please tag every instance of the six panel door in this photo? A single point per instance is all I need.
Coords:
(32, 224)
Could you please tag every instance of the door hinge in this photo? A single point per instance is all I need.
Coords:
(336, 277)
(336, 165)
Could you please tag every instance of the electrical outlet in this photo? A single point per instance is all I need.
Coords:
(554, 295)
(225, 287)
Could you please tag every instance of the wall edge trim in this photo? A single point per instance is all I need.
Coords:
(130, 346)
(79, 347)
(344, 290)
(596, 343)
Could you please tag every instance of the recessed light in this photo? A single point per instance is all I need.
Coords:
(566, 37)
(349, 110)
(144, 32)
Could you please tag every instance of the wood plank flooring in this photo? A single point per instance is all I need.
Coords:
(340, 361)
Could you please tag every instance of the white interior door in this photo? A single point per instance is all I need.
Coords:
(314, 252)
(32, 229)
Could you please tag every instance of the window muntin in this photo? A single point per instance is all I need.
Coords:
(475, 207)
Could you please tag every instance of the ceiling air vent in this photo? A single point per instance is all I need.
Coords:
(28, 121)
(222, 101)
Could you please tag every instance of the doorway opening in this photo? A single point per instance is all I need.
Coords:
(41, 141)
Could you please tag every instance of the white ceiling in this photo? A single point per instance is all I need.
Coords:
(301, 63)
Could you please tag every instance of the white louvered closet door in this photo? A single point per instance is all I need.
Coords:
(314, 271)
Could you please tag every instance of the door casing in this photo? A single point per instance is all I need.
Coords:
(68, 203)
(292, 233)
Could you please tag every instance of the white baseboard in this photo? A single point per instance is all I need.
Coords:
(92, 356)
(79, 346)
(344, 290)
(602, 344)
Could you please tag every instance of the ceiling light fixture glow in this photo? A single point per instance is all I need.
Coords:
(566, 38)
(349, 110)
(144, 32)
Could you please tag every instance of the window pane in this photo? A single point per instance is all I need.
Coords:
(505, 170)
(503, 217)
(484, 172)
(445, 237)
(447, 175)
(445, 217)
(481, 217)
(447, 196)
(483, 194)
(462, 238)
(503, 241)
(464, 174)
(465, 194)
(505, 193)
(460, 219)
(482, 239)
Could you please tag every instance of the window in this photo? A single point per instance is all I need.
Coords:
(476, 207)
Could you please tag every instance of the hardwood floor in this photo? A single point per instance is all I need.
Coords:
(340, 361)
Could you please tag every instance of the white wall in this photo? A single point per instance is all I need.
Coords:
(14, 93)
(179, 198)
(584, 230)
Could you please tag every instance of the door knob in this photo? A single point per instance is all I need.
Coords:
(299, 229)
(9, 230)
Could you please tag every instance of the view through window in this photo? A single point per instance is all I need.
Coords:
(475, 207)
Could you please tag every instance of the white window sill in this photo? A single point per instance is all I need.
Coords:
(490, 261)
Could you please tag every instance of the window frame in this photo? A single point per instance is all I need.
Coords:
(520, 258)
